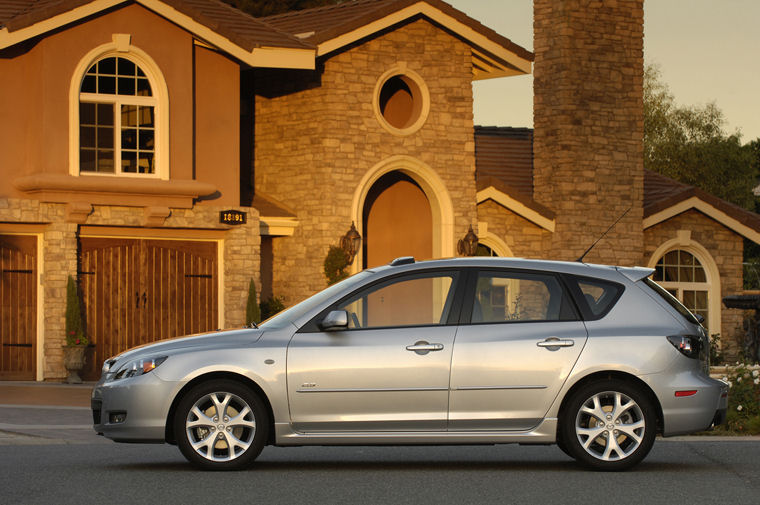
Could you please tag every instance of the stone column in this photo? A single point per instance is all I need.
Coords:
(588, 118)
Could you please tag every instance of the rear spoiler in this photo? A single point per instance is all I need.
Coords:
(635, 273)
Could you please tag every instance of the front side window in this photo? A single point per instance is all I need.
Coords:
(117, 125)
(519, 297)
(421, 300)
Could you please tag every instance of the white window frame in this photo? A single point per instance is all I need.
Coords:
(712, 275)
(121, 47)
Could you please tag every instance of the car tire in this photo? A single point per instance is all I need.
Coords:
(221, 425)
(608, 425)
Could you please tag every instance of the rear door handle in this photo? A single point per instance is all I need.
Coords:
(552, 343)
(423, 347)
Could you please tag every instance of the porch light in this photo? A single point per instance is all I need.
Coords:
(350, 243)
(468, 246)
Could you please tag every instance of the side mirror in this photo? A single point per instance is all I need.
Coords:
(335, 320)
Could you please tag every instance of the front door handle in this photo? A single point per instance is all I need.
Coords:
(423, 347)
(553, 343)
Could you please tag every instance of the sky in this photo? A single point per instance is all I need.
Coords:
(707, 51)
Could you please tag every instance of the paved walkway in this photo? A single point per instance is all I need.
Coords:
(45, 413)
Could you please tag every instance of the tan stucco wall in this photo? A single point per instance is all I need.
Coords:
(313, 146)
(524, 238)
(217, 121)
(34, 132)
(727, 249)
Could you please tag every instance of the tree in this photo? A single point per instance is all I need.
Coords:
(261, 8)
(689, 144)
(252, 310)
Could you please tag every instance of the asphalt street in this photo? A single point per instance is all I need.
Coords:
(50, 455)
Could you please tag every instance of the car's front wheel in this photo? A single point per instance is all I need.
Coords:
(221, 425)
(609, 425)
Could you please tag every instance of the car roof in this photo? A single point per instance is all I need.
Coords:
(569, 267)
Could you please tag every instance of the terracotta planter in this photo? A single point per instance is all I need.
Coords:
(74, 360)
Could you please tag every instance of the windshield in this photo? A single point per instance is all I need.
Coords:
(282, 319)
(672, 301)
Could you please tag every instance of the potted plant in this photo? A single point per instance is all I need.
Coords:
(76, 341)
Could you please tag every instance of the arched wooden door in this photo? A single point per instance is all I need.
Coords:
(397, 221)
(18, 307)
(137, 291)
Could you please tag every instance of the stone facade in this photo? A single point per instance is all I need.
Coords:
(726, 248)
(240, 259)
(524, 238)
(316, 137)
(588, 118)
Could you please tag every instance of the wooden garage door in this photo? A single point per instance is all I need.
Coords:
(139, 291)
(18, 307)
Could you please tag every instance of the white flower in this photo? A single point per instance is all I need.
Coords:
(739, 408)
(755, 373)
(738, 379)
(725, 379)
(730, 384)
(757, 381)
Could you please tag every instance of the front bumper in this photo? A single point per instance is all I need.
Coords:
(133, 409)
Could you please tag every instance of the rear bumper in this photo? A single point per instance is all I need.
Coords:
(698, 412)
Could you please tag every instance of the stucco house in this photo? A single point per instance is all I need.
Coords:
(166, 152)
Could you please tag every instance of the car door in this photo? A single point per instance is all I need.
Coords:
(521, 339)
(388, 370)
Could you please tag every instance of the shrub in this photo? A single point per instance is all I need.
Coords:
(252, 309)
(336, 263)
(271, 306)
(74, 332)
(743, 399)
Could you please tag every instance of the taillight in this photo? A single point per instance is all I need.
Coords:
(688, 345)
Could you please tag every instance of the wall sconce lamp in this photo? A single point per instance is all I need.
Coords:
(350, 243)
(468, 246)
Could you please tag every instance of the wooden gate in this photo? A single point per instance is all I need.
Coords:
(139, 291)
(18, 307)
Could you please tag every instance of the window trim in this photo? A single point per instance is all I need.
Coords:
(121, 47)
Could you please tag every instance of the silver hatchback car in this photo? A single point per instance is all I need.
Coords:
(596, 359)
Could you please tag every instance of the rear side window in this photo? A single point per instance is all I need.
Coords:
(597, 296)
(519, 297)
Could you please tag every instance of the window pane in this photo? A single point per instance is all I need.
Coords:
(145, 163)
(105, 161)
(105, 137)
(699, 274)
(107, 85)
(146, 140)
(107, 66)
(129, 161)
(105, 114)
(129, 138)
(128, 115)
(87, 113)
(88, 84)
(87, 160)
(406, 302)
(143, 87)
(686, 274)
(126, 67)
(126, 86)
(146, 117)
(87, 136)
(519, 297)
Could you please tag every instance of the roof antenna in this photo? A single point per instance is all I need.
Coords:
(580, 260)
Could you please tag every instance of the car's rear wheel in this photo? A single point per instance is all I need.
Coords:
(221, 425)
(609, 425)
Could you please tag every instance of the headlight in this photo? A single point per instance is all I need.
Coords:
(137, 367)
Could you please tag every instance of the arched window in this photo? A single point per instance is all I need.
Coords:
(117, 119)
(682, 274)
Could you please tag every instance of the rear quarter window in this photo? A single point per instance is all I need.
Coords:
(595, 297)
